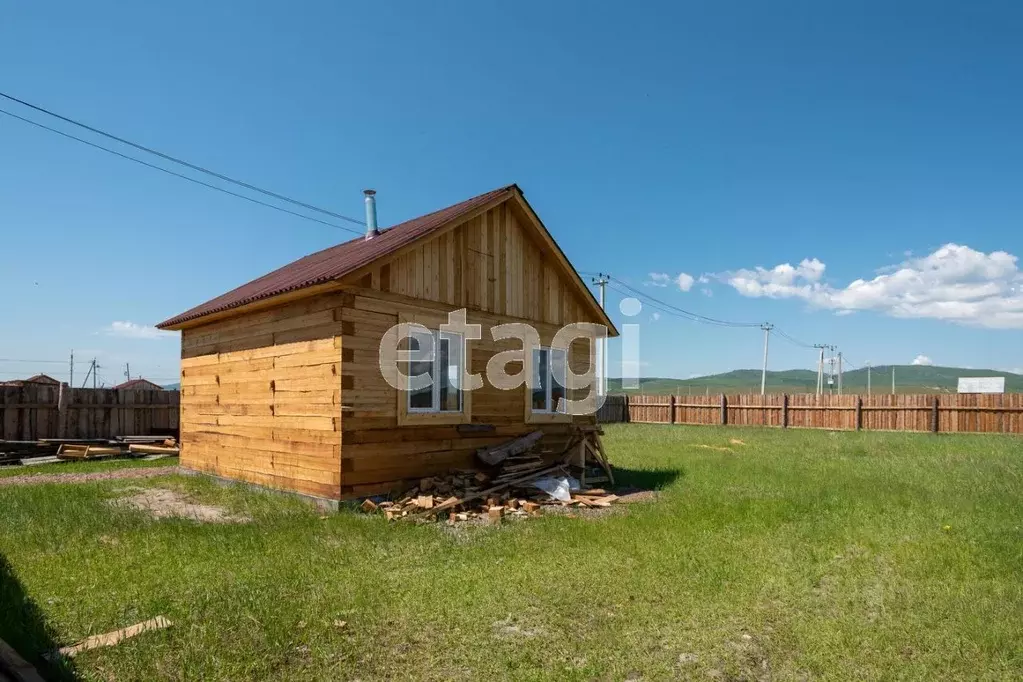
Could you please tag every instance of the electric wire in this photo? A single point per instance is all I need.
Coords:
(182, 162)
(176, 174)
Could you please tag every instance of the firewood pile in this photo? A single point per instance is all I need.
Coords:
(504, 485)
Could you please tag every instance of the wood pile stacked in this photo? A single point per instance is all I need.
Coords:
(123, 446)
(13, 451)
(503, 486)
(50, 450)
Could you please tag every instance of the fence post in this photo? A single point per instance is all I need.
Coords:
(785, 410)
(859, 412)
(625, 409)
(934, 415)
(63, 397)
(671, 406)
(724, 410)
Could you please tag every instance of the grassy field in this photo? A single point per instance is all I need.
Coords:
(793, 555)
(73, 467)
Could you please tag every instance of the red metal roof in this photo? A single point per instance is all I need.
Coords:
(337, 261)
(137, 383)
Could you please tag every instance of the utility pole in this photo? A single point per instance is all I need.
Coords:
(893, 379)
(820, 365)
(127, 371)
(92, 368)
(839, 372)
(601, 281)
(95, 372)
(71, 378)
(868, 378)
(831, 372)
(767, 327)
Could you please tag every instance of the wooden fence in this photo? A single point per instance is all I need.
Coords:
(947, 413)
(36, 411)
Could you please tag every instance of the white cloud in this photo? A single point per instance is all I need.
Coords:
(703, 279)
(707, 291)
(655, 316)
(922, 360)
(658, 279)
(685, 281)
(954, 283)
(131, 330)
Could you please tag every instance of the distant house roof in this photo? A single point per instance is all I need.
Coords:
(337, 261)
(37, 379)
(139, 384)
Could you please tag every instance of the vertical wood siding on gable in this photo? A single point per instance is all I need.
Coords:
(489, 263)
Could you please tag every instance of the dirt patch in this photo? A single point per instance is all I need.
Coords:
(508, 629)
(86, 478)
(736, 441)
(162, 503)
(718, 448)
(637, 496)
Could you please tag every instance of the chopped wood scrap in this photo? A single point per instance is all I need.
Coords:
(495, 455)
(33, 461)
(505, 488)
(153, 449)
(111, 638)
(498, 488)
(368, 505)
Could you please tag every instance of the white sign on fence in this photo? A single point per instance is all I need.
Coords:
(982, 384)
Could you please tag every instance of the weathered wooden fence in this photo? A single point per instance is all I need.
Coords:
(36, 411)
(952, 413)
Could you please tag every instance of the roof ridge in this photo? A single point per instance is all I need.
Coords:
(336, 261)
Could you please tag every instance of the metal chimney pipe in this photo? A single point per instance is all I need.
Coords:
(371, 213)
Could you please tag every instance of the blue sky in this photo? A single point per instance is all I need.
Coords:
(699, 138)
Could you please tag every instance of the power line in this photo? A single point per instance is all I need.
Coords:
(182, 162)
(176, 174)
(792, 340)
(60, 362)
(696, 317)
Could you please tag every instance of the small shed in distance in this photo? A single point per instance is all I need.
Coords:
(138, 384)
(281, 383)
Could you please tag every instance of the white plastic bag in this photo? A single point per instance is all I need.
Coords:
(558, 487)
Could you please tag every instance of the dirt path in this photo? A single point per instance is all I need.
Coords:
(85, 478)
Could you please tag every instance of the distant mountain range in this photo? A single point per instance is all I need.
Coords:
(173, 387)
(908, 379)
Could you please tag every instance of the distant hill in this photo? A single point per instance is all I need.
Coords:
(173, 387)
(908, 379)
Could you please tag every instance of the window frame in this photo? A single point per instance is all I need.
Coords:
(455, 341)
(409, 416)
(550, 413)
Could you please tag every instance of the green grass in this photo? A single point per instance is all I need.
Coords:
(76, 467)
(799, 555)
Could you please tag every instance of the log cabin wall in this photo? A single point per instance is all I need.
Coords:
(376, 453)
(260, 397)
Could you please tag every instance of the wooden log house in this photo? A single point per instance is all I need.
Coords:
(280, 380)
